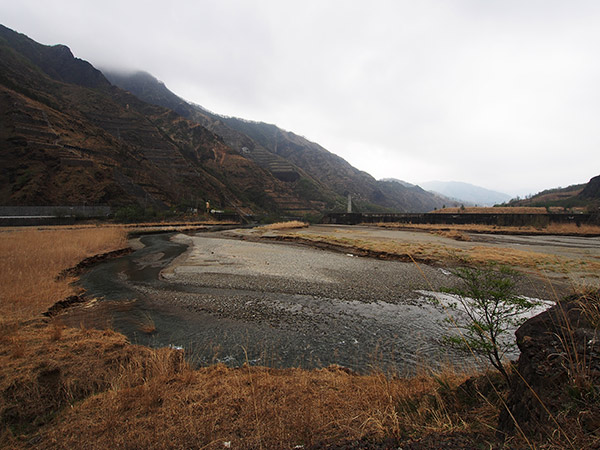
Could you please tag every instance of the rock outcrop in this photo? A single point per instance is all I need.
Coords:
(554, 389)
(592, 189)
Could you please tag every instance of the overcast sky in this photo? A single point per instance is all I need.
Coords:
(502, 94)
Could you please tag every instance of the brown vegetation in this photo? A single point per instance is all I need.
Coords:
(147, 325)
(285, 225)
(61, 387)
(429, 252)
(564, 229)
(253, 408)
(32, 259)
(452, 234)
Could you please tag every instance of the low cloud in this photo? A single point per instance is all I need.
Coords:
(499, 94)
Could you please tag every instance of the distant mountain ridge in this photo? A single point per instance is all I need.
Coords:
(466, 192)
(446, 201)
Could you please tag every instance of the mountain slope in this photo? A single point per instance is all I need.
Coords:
(466, 192)
(591, 190)
(69, 137)
(446, 201)
(289, 157)
(586, 195)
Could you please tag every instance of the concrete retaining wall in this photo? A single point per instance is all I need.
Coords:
(55, 211)
(515, 220)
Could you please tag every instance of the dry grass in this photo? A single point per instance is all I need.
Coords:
(181, 227)
(147, 325)
(452, 234)
(64, 386)
(32, 259)
(43, 370)
(179, 223)
(569, 229)
(92, 386)
(572, 229)
(61, 387)
(589, 302)
(253, 408)
(432, 252)
(285, 225)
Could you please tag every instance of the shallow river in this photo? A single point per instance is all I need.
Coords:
(232, 301)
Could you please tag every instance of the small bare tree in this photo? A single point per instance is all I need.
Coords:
(487, 296)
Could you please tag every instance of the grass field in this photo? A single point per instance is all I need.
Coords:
(448, 254)
(290, 225)
(32, 259)
(66, 387)
(566, 229)
(493, 210)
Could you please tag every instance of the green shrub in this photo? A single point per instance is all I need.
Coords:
(488, 297)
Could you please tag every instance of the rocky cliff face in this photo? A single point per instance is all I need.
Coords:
(554, 389)
(56, 61)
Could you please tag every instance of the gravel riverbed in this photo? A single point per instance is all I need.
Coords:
(233, 301)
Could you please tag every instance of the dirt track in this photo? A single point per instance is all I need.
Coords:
(584, 249)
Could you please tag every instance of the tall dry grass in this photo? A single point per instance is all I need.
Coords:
(45, 367)
(285, 225)
(252, 408)
(32, 259)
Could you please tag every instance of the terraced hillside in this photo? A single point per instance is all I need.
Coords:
(70, 137)
(308, 168)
